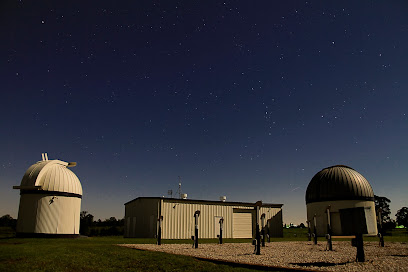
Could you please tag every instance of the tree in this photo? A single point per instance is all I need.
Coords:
(383, 203)
(85, 223)
(8, 221)
(402, 216)
(111, 221)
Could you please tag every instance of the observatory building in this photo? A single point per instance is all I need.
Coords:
(340, 198)
(50, 200)
(239, 218)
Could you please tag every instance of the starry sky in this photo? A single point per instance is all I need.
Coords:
(239, 98)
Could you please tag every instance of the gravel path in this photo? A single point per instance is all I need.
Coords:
(300, 255)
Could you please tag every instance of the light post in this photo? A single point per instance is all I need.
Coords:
(329, 230)
(159, 220)
(221, 227)
(380, 227)
(196, 215)
(257, 233)
(314, 230)
(263, 229)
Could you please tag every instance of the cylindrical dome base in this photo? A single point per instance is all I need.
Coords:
(337, 209)
(46, 214)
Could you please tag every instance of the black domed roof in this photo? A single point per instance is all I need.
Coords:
(338, 182)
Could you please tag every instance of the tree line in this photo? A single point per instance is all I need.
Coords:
(401, 217)
(88, 226)
(108, 227)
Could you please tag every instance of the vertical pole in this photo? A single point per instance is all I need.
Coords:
(263, 229)
(221, 225)
(196, 237)
(159, 230)
(329, 231)
(314, 230)
(257, 234)
(309, 234)
(196, 215)
(360, 248)
(380, 228)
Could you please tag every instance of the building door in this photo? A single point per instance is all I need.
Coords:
(242, 224)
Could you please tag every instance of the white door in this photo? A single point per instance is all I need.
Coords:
(242, 225)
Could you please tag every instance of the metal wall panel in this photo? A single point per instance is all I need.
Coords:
(178, 220)
(140, 213)
(273, 220)
(127, 226)
(217, 225)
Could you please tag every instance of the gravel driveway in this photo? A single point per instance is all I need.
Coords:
(300, 255)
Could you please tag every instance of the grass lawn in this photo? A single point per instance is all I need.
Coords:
(93, 254)
(102, 254)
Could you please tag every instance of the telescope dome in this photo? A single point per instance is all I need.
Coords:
(51, 175)
(338, 182)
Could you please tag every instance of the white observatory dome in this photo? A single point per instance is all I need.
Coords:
(50, 200)
(51, 175)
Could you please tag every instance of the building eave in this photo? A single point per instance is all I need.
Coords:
(227, 203)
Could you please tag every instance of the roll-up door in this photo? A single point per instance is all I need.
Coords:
(242, 225)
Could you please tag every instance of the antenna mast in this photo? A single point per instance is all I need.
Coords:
(179, 188)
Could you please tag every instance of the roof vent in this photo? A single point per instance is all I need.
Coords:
(223, 198)
(184, 196)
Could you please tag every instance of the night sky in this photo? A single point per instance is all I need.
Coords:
(247, 99)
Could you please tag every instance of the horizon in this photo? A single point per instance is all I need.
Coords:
(174, 195)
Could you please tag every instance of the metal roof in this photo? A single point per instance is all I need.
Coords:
(50, 175)
(200, 201)
(338, 182)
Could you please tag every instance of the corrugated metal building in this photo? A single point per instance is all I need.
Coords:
(141, 217)
(50, 201)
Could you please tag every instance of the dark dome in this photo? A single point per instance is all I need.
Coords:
(338, 182)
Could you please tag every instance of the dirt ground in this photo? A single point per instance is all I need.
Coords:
(297, 255)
